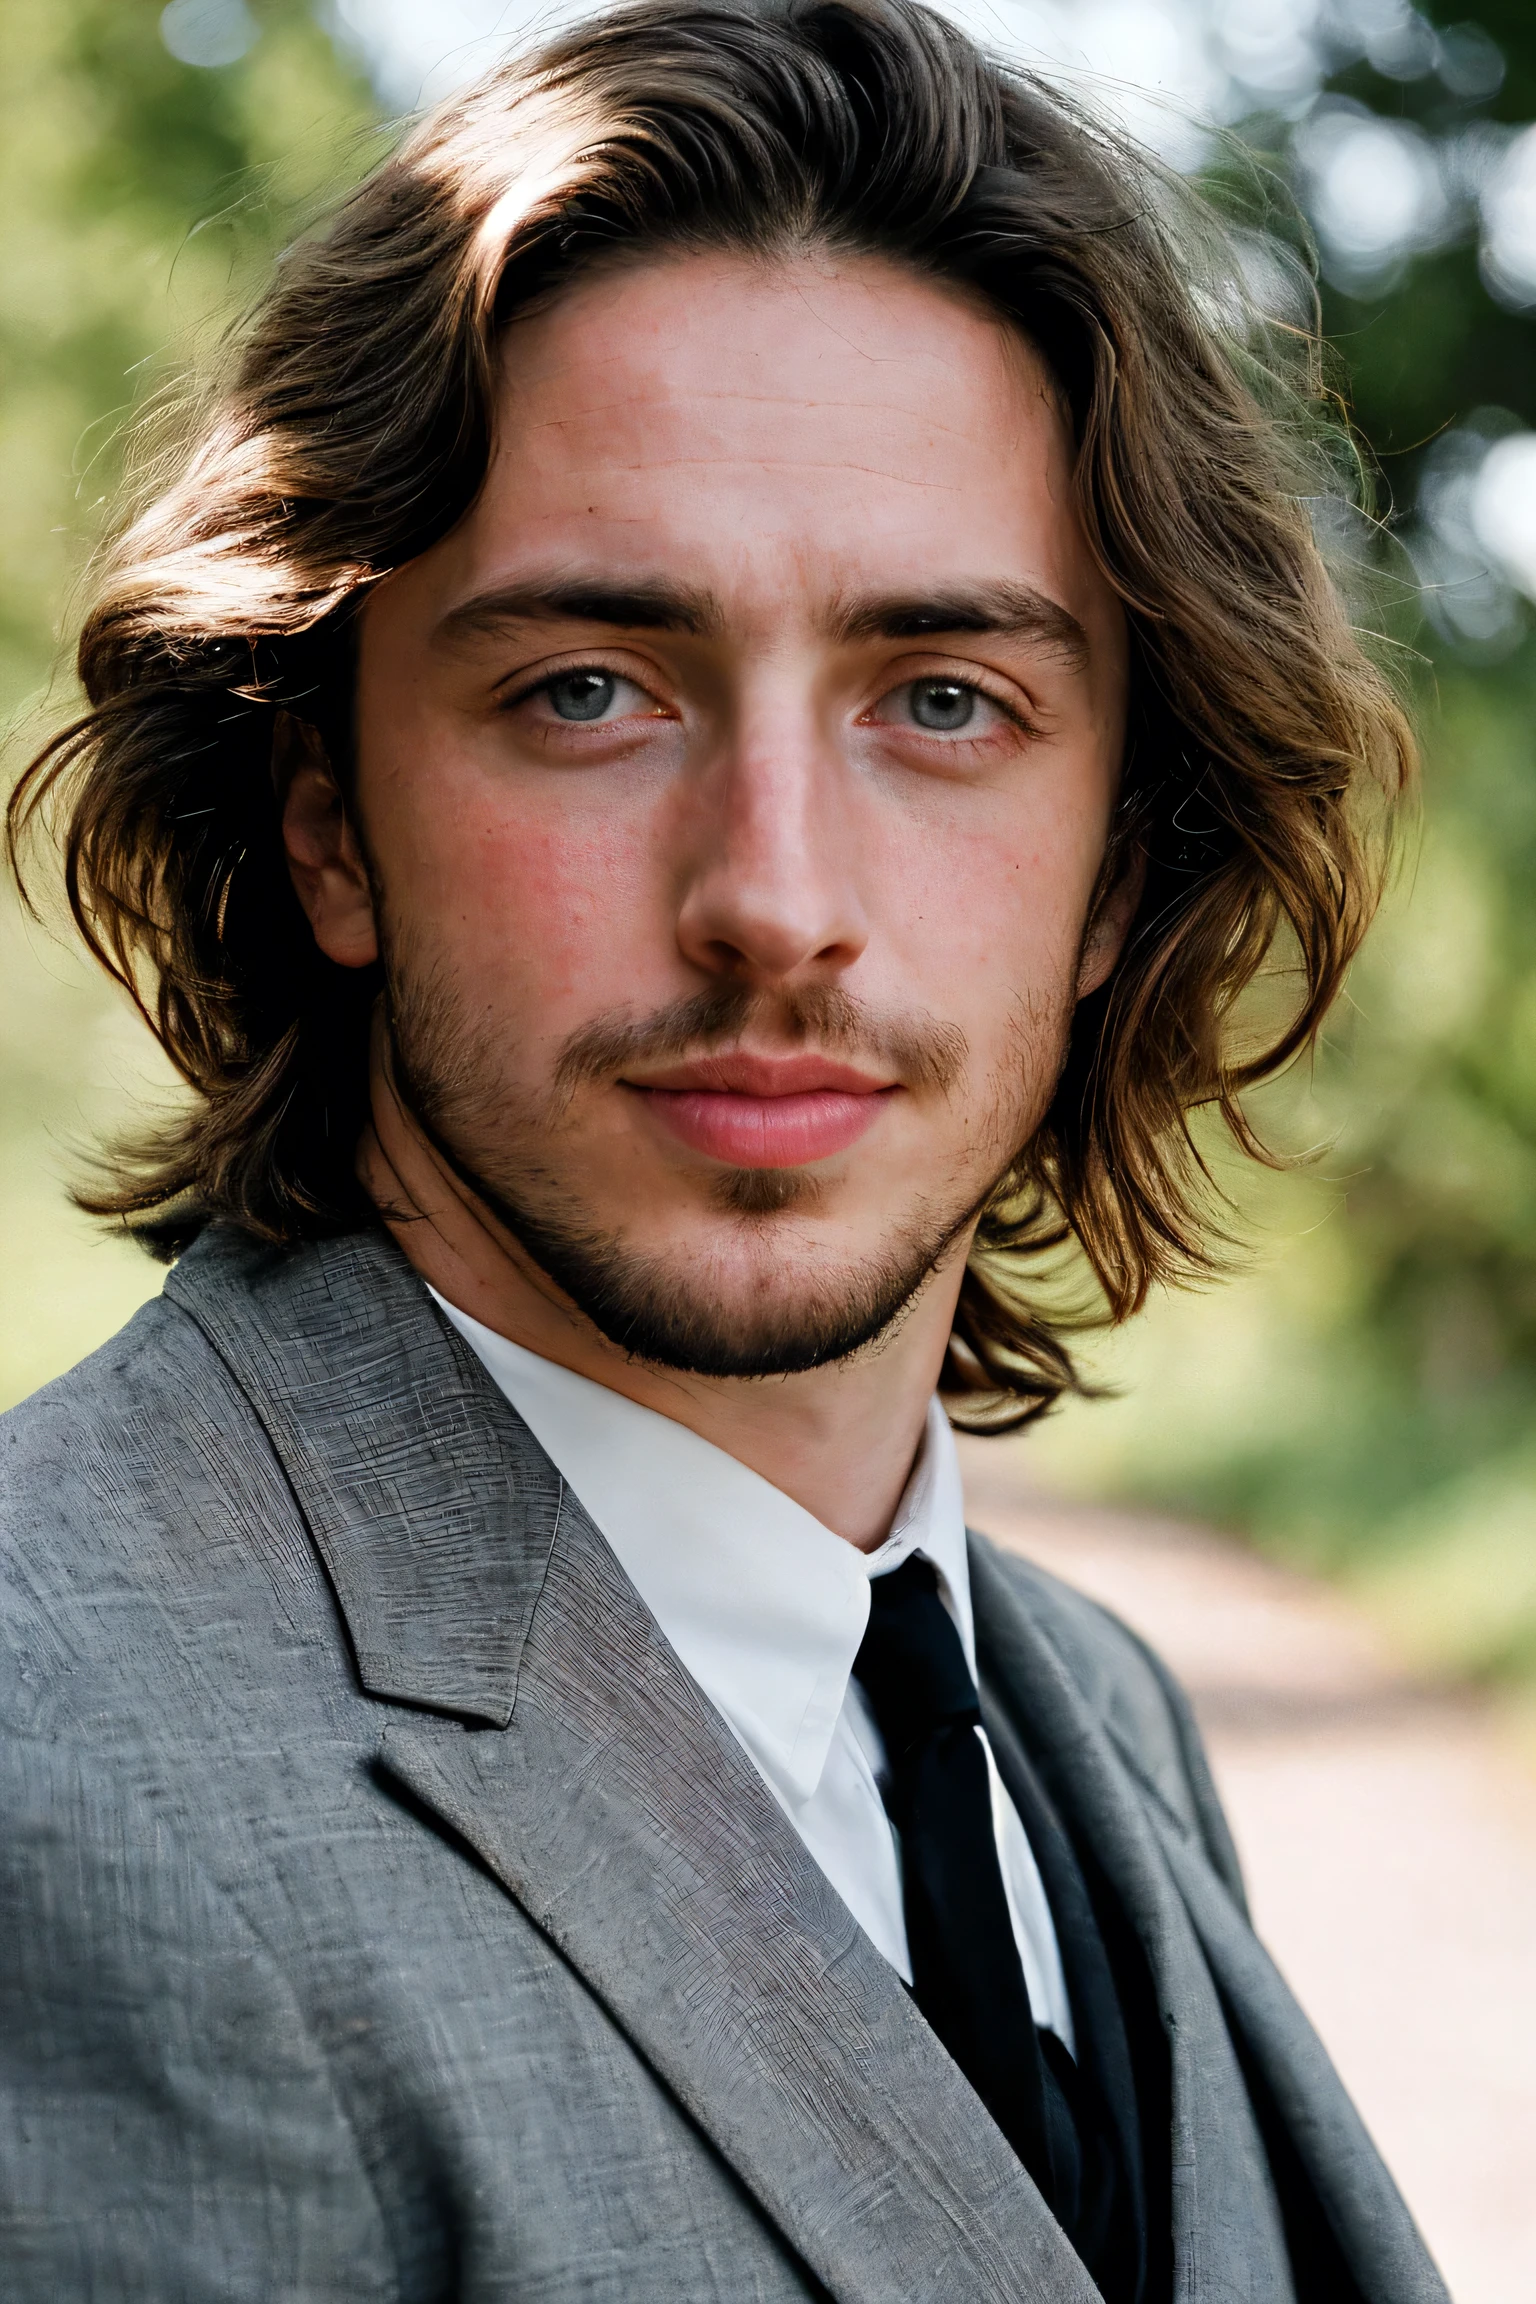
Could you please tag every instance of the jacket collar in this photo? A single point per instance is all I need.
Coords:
(431, 1507)
(1228, 2016)
(1228, 2236)
(764, 1605)
(616, 1808)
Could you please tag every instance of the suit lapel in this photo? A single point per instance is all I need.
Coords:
(1370, 2220)
(615, 1806)
(629, 1825)
(429, 1504)
(1214, 1978)
(1228, 2237)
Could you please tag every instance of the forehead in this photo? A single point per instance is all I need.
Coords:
(821, 420)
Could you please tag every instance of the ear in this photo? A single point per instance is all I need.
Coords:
(325, 857)
(1109, 924)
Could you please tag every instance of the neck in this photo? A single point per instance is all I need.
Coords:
(840, 1440)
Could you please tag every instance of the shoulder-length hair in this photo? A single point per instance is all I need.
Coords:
(354, 429)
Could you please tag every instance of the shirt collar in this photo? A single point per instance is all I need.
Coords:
(763, 1605)
(931, 1519)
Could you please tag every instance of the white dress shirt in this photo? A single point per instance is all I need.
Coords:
(766, 1609)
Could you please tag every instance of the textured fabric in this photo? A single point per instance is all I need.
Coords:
(385, 1912)
(766, 1608)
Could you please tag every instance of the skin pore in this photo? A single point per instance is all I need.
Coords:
(732, 790)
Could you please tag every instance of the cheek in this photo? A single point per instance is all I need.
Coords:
(988, 912)
(539, 907)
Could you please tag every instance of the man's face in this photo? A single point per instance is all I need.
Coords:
(735, 780)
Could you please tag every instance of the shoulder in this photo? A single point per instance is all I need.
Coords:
(141, 1507)
(111, 1427)
(1125, 1684)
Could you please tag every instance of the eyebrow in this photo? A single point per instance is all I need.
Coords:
(641, 606)
(1008, 611)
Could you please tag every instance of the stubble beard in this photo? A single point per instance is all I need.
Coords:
(661, 1308)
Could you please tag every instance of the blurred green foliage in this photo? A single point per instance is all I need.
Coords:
(142, 198)
(1436, 345)
(1363, 1396)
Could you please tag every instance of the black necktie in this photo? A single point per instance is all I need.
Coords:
(967, 1977)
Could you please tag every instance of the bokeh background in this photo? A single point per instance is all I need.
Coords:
(1352, 1409)
(1359, 1397)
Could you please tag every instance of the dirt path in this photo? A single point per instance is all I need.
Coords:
(1390, 1843)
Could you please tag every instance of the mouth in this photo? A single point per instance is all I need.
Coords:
(764, 1111)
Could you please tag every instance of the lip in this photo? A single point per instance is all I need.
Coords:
(765, 1111)
(738, 1073)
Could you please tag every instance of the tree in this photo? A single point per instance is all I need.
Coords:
(141, 197)
(1367, 1399)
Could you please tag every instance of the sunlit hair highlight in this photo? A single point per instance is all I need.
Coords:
(354, 429)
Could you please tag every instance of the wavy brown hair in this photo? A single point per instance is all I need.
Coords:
(353, 429)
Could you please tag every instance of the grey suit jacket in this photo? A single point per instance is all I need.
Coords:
(384, 1913)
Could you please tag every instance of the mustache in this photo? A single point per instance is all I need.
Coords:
(922, 1052)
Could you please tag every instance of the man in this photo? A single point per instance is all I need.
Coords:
(690, 767)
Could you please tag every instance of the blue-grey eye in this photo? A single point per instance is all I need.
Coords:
(581, 695)
(944, 705)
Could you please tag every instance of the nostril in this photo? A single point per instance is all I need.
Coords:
(741, 918)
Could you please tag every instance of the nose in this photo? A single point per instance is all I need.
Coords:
(770, 894)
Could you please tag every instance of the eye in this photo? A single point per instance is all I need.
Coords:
(586, 694)
(942, 704)
(593, 696)
(941, 707)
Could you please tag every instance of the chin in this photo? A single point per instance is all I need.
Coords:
(755, 1301)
